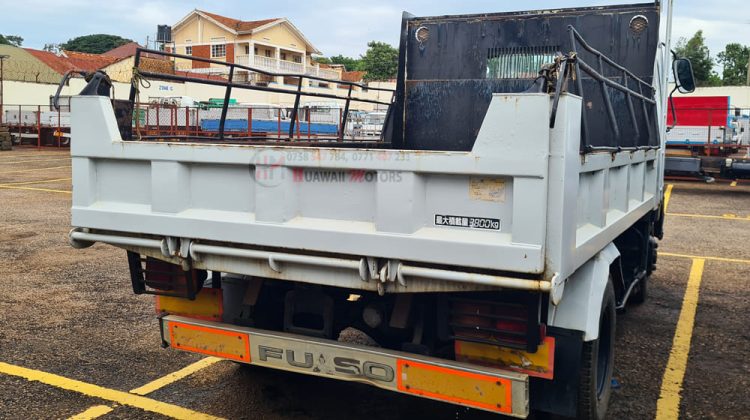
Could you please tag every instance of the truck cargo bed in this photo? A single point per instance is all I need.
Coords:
(497, 211)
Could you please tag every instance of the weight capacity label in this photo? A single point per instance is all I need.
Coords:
(467, 222)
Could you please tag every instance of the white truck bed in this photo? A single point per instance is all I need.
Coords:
(345, 216)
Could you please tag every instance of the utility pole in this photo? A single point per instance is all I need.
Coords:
(2, 60)
(748, 71)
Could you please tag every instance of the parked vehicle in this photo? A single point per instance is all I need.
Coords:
(38, 124)
(476, 252)
(709, 140)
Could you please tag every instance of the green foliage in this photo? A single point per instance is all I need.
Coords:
(696, 50)
(351, 64)
(380, 61)
(94, 44)
(322, 60)
(735, 59)
(14, 40)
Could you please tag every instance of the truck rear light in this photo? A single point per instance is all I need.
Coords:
(152, 276)
(509, 324)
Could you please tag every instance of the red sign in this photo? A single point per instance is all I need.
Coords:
(700, 111)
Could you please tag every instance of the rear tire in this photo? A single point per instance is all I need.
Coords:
(597, 361)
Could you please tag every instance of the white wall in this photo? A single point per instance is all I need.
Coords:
(739, 96)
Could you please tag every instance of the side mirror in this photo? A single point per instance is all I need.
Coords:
(683, 75)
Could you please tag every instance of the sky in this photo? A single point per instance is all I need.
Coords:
(333, 26)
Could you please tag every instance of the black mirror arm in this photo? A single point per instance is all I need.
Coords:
(672, 109)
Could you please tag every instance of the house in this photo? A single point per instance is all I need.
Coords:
(23, 65)
(275, 45)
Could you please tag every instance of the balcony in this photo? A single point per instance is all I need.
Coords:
(284, 66)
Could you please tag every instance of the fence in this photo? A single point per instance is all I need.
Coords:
(154, 120)
(37, 125)
(299, 121)
(710, 129)
(42, 125)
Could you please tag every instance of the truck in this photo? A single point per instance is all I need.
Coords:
(477, 252)
(710, 139)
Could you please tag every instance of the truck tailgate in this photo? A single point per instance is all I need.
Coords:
(472, 209)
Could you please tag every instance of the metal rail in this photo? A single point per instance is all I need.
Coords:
(230, 84)
(571, 66)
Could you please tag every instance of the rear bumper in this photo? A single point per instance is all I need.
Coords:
(478, 387)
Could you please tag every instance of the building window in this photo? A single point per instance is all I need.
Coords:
(247, 50)
(268, 53)
(218, 47)
(298, 59)
(283, 56)
(255, 51)
(189, 50)
(218, 50)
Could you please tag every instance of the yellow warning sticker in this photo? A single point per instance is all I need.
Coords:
(487, 189)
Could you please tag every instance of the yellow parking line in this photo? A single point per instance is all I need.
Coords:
(709, 216)
(92, 413)
(668, 406)
(97, 391)
(35, 182)
(667, 196)
(174, 376)
(33, 169)
(11, 187)
(722, 259)
(34, 160)
(163, 381)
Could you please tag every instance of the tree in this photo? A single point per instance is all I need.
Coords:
(94, 44)
(380, 61)
(351, 64)
(14, 40)
(696, 50)
(735, 59)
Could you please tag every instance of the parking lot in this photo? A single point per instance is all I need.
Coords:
(75, 341)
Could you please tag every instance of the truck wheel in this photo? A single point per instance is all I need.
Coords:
(597, 361)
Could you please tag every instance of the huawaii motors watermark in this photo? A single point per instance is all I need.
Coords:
(271, 169)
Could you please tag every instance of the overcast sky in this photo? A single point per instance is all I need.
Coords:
(334, 26)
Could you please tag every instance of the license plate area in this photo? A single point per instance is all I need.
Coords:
(210, 341)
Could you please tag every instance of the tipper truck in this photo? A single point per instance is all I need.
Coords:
(476, 253)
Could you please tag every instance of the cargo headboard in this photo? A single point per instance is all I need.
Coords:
(449, 67)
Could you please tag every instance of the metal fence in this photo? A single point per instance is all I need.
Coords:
(44, 126)
(710, 128)
(236, 123)
(37, 125)
(154, 120)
